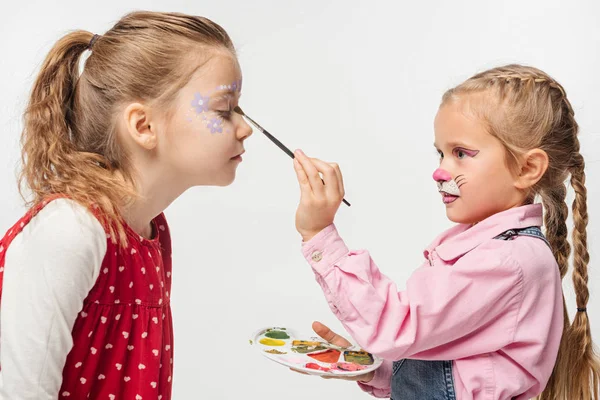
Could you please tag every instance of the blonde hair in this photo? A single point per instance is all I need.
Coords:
(525, 109)
(69, 141)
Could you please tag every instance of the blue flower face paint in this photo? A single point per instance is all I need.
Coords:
(213, 103)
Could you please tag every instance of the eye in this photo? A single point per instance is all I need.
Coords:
(225, 114)
(461, 153)
(440, 154)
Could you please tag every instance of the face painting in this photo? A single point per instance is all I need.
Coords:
(473, 176)
(215, 107)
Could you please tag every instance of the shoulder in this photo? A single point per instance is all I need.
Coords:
(61, 224)
(530, 257)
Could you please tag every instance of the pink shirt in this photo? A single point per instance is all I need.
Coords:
(492, 306)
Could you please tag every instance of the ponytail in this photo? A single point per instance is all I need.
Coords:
(52, 164)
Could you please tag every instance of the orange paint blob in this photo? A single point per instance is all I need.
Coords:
(329, 356)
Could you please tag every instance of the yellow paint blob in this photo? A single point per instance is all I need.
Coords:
(271, 342)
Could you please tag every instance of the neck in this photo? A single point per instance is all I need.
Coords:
(155, 193)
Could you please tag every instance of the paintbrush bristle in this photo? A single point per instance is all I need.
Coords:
(238, 110)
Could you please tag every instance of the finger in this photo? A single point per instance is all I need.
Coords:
(329, 335)
(338, 174)
(311, 172)
(343, 378)
(305, 188)
(332, 189)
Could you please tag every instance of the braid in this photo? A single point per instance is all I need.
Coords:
(555, 219)
(580, 219)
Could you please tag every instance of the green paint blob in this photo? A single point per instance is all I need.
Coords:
(277, 335)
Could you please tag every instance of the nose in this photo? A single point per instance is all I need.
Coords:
(440, 175)
(244, 130)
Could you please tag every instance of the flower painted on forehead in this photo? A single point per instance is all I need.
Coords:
(215, 125)
(200, 103)
(236, 86)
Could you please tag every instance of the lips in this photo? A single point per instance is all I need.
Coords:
(448, 198)
(239, 156)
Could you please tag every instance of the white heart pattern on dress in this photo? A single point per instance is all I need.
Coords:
(125, 334)
(100, 377)
(119, 366)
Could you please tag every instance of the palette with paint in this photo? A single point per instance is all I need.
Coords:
(312, 355)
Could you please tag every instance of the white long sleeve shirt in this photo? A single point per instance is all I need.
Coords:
(49, 270)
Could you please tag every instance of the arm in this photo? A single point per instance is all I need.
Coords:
(50, 267)
(433, 318)
(380, 385)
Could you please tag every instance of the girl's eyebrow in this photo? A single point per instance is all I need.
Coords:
(456, 144)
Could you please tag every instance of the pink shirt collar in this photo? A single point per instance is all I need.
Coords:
(463, 238)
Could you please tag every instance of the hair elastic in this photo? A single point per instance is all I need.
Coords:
(92, 41)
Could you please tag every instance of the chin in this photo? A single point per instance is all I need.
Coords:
(460, 218)
(225, 181)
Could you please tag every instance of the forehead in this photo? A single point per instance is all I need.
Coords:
(454, 123)
(221, 69)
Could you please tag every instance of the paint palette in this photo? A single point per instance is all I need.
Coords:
(312, 355)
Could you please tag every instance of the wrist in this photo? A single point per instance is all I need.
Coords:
(307, 235)
(367, 377)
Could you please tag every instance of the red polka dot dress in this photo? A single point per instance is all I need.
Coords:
(123, 337)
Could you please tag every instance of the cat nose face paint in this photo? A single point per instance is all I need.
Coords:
(440, 175)
(446, 186)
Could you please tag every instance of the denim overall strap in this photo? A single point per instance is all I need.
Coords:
(419, 380)
(533, 231)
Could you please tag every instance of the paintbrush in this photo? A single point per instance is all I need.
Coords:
(272, 138)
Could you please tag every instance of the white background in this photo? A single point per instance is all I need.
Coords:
(357, 82)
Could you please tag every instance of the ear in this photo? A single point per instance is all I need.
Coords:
(139, 126)
(534, 164)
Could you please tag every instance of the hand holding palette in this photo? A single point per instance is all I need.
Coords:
(313, 355)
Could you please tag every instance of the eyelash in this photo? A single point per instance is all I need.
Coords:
(456, 151)
(226, 114)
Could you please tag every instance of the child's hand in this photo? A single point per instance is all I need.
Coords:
(319, 198)
(339, 341)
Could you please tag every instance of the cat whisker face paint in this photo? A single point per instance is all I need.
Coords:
(446, 185)
(450, 191)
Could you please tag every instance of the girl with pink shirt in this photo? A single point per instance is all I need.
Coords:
(484, 316)
(85, 275)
